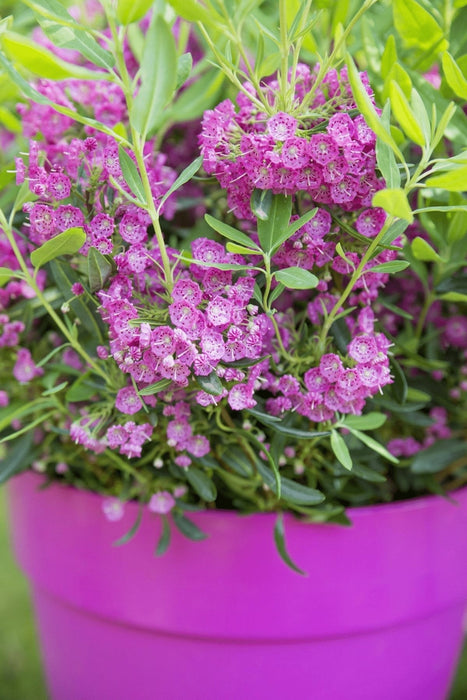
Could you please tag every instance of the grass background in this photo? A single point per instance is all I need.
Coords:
(21, 676)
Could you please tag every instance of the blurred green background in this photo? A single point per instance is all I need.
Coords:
(21, 676)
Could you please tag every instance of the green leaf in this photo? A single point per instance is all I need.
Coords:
(187, 527)
(229, 232)
(457, 227)
(210, 384)
(391, 267)
(373, 445)
(235, 458)
(367, 109)
(438, 456)
(164, 539)
(42, 62)
(131, 174)
(304, 219)
(65, 277)
(99, 269)
(394, 202)
(404, 114)
(455, 180)
(184, 66)
(183, 178)
(81, 390)
(453, 284)
(193, 11)
(260, 203)
(291, 491)
(196, 98)
(454, 76)
(5, 275)
(133, 530)
(385, 155)
(201, 484)
(296, 278)
(400, 387)
(416, 27)
(17, 459)
(389, 56)
(129, 11)
(66, 243)
(340, 449)
(279, 539)
(241, 250)
(423, 250)
(155, 388)
(65, 32)
(272, 229)
(158, 76)
(368, 421)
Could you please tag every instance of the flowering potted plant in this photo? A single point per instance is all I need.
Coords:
(232, 282)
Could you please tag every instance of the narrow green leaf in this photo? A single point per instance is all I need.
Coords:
(65, 32)
(367, 109)
(273, 228)
(454, 76)
(155, 388)
(389, 56)
(404, 114)
(385, 155)
(17, 458)
(183, 178)
(196, 98)
(158, 76)
(131, 174)
(81, 390)
(394, 202)
(416, 27)
(241, 250)
(184, 66)
(291, 491)
(129, 11)
(99, 269)
(423, 250)
(453, 181)
(400, 387)
(164, 539)
(55, 389)
(391, 267)
(6, 274)
(340, 449)
(229, 232)
(457, 227)
(296, 278)
(193, 11)
(42, 62)
(210, 384)
(368, 421)
(438, 456)
(187, 527)
(133, 530)
(201, 484)
(66, 243)
(279, 539)
(373, 445)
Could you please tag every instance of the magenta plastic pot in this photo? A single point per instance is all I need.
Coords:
(379, 617)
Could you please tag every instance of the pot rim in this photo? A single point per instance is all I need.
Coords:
(402, 505)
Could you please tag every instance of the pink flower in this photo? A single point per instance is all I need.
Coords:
(161, 502)
(25, 368)
(128, 401)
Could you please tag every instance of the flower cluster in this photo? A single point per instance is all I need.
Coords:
(324, 150)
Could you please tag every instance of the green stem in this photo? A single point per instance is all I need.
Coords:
(138, 142)
(285, 47)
